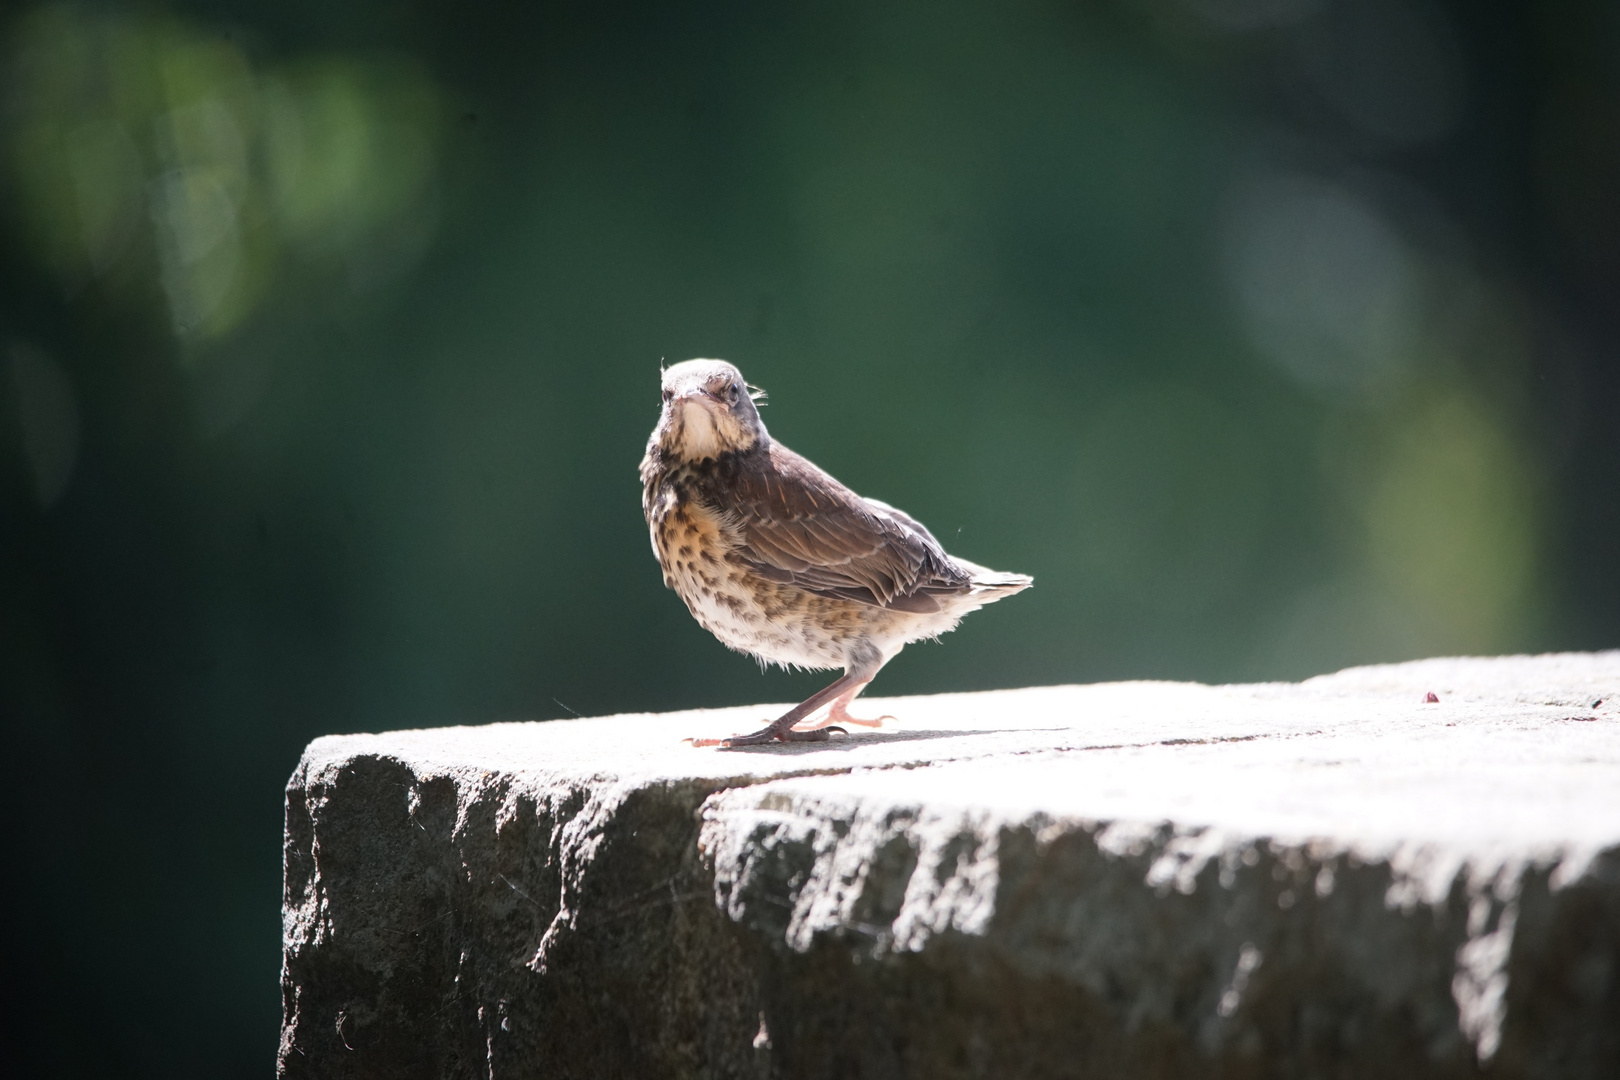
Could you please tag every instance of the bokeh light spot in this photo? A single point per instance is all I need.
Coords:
(1450, 524)
(1327, 287)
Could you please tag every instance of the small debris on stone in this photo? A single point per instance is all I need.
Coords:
(1431, 698)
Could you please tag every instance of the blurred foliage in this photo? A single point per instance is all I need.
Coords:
(1270, 336)
(148, 152)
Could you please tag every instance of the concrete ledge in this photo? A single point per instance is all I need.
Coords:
(1126, 880)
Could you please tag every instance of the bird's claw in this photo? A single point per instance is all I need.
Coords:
(762, 738)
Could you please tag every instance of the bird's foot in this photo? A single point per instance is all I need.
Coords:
(776, 734)
(783, 729)
(772, 734)
(838, 715)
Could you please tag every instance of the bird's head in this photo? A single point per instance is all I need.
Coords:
(708, 411)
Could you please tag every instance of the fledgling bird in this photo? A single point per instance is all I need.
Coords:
(777, 559)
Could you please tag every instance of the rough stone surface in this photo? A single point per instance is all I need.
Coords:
(1333, 878)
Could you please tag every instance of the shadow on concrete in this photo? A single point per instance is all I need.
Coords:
(874, 738)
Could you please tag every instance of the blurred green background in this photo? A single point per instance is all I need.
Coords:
(1270, 336)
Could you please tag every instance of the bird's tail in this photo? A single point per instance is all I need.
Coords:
(992, 585)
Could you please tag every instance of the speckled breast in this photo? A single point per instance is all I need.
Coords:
(778, 623)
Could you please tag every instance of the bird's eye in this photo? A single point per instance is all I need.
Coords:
(668, 394)
(732, 390)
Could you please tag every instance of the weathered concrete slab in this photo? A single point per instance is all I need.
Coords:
(1141, 879)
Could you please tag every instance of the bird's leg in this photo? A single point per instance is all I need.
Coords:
(782, 727)
(839, 713)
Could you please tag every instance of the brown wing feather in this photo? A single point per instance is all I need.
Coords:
(797, 525)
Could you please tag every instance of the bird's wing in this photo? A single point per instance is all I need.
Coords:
(796, 524)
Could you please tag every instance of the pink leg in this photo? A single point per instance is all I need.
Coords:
(781, 729)
(838, 714)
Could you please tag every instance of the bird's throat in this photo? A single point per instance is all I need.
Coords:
(698, 436)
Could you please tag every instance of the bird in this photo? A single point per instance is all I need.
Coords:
(779, 560)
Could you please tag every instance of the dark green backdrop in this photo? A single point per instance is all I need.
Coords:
(1270, 336)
